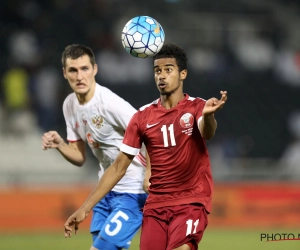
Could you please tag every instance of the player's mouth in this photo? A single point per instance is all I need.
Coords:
(162, 85)
(80, 85)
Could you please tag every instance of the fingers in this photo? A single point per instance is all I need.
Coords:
(48, 139)
(69, 228)
(213, 104)
(72, 224)
(223, 99)
(217, 103)
(220, 105)
(223, 95)
(68, 232)
(76, 227)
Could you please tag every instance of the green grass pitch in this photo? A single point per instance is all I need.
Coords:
(213, 240)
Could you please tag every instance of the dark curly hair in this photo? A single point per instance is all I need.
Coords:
(173, 51)
(75, 51)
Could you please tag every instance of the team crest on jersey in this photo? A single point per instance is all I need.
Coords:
(187, 120)
(98, 121)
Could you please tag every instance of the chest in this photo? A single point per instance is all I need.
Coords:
(91, 124)
(170, 129)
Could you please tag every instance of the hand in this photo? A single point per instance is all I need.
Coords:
(73, 222)
(212, 105)
(146, 186)
(51, 139)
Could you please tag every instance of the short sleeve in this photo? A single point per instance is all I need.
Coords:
(118, 112)
(132, 141)
(72, 134)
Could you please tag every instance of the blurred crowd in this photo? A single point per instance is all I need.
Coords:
(249, 48)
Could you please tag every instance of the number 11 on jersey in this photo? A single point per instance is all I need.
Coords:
(165, 135)
(189, 228)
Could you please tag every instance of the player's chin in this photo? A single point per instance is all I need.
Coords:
(164, 92)
(81, 91)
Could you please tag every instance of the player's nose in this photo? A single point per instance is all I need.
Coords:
(162, 76)
(79, 76)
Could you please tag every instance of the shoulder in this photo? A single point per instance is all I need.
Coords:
(69, 105)
(69, 100)
(149, 106)
(144, 112)
(105, 92)
(195, 102)
(196, 99)
(102, 89)
(105, 95)
(113, 106)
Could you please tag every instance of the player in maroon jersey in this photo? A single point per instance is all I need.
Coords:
(174, 129)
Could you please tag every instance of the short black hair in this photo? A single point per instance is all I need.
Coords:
(75, 51)
(173, 51)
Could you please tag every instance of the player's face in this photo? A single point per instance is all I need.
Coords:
(167, 76)
(80, 74)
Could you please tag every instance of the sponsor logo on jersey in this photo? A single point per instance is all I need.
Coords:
(98, 121)
(76, 125)
(187, 120)
(152, 125)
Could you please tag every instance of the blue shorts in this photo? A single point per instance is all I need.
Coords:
(117, 217)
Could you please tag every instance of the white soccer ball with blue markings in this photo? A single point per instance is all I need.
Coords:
(143, 36)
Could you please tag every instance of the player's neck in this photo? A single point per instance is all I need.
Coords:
(86, 97)
(171, 101)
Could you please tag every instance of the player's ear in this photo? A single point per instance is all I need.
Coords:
(64, 73)
(95, 69)
(183, 74)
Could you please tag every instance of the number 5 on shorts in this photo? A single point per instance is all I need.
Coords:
(190, 225)
(116, 220)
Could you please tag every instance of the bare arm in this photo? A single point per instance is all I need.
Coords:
(208, 124)
(147, 175)
(74, 152)
(110, 178)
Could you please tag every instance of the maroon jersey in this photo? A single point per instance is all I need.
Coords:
(180, 166)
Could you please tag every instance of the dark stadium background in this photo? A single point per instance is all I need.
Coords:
(250, 48)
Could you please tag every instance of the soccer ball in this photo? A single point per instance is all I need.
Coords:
(142, 36)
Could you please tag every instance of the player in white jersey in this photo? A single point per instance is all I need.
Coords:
(98, 117)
